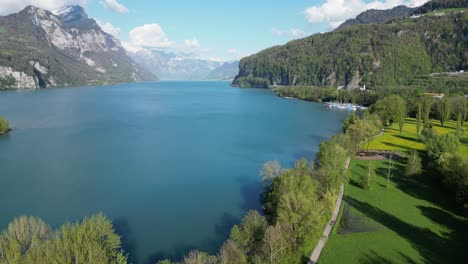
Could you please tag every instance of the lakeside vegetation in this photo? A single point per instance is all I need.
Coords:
(31, 240)
(4, 125)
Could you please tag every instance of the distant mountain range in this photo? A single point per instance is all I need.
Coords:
(39, 48)
(378, 48)
(184, 66)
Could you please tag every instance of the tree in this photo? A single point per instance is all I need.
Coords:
(331, 159)
(443, 108)
(414, 165)
(92, 240)
(22, 239)
(459, 129)
(440, 147)
(249, 234)
(455, 176)
(197, 257)
(366, 180)
(460, 106)
(270, 170)
(392, 109)
(231, 253)
(362, 131)
(274, 245)
(4, 125)
(389, 168)
(30, 240)
(418, 118)
(426, 109)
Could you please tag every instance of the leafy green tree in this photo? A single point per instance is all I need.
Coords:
(331, 159)
(427, 103)
(440, 147)
(274, 246)
(418, 118)
(366, 179)
(362, 131)
(298, 206)
(443, 108)
(455, 175)
(270, 171)
(197, 257)
(249, 234)
(4, 125)
(231, 253)
(21, 240)
(392, 109)
(414, 165)
(30, 240)
(459, 130)
(93, 240)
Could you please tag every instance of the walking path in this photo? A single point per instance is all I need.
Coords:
(326, 232)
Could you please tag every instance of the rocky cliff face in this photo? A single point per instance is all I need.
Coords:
(40, 48)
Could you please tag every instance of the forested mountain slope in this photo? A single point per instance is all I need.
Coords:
(375, 54)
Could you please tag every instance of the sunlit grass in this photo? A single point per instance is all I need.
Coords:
(409, 139)
(413, 219)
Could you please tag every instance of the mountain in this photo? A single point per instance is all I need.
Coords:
(369, 54)
(178, 65)
(39, 48)
(227, 71)
(374, 16)
(440, 4)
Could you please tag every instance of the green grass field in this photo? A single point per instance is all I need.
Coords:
(409, 139)
(410, 221)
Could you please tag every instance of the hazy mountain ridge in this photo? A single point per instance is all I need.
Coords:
(183, 66)
(40, 48)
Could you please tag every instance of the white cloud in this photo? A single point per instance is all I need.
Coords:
(277, 32)
(114, 5)
(147, 36)
(191, 43)
(108, 28)
(233, 51)
(12, 6)
(334, 12)
(293, 32)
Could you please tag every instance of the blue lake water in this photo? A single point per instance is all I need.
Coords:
(173, 164)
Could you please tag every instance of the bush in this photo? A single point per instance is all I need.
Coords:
(4, 125)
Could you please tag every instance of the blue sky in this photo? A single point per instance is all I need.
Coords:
(219, 29)
(245, 26)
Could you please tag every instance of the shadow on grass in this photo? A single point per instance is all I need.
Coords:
(408, 138)
(464, 141)
(406, 148)
(372, 258)
(449, 248)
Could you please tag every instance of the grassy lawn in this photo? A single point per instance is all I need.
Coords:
(410, 221)
(409, 139)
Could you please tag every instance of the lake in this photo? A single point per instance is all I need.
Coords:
(173, 164)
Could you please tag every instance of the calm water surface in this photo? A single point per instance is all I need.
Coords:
(173, 164)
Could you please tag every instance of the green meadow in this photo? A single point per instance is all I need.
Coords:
(409, 139)
(412, 220)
